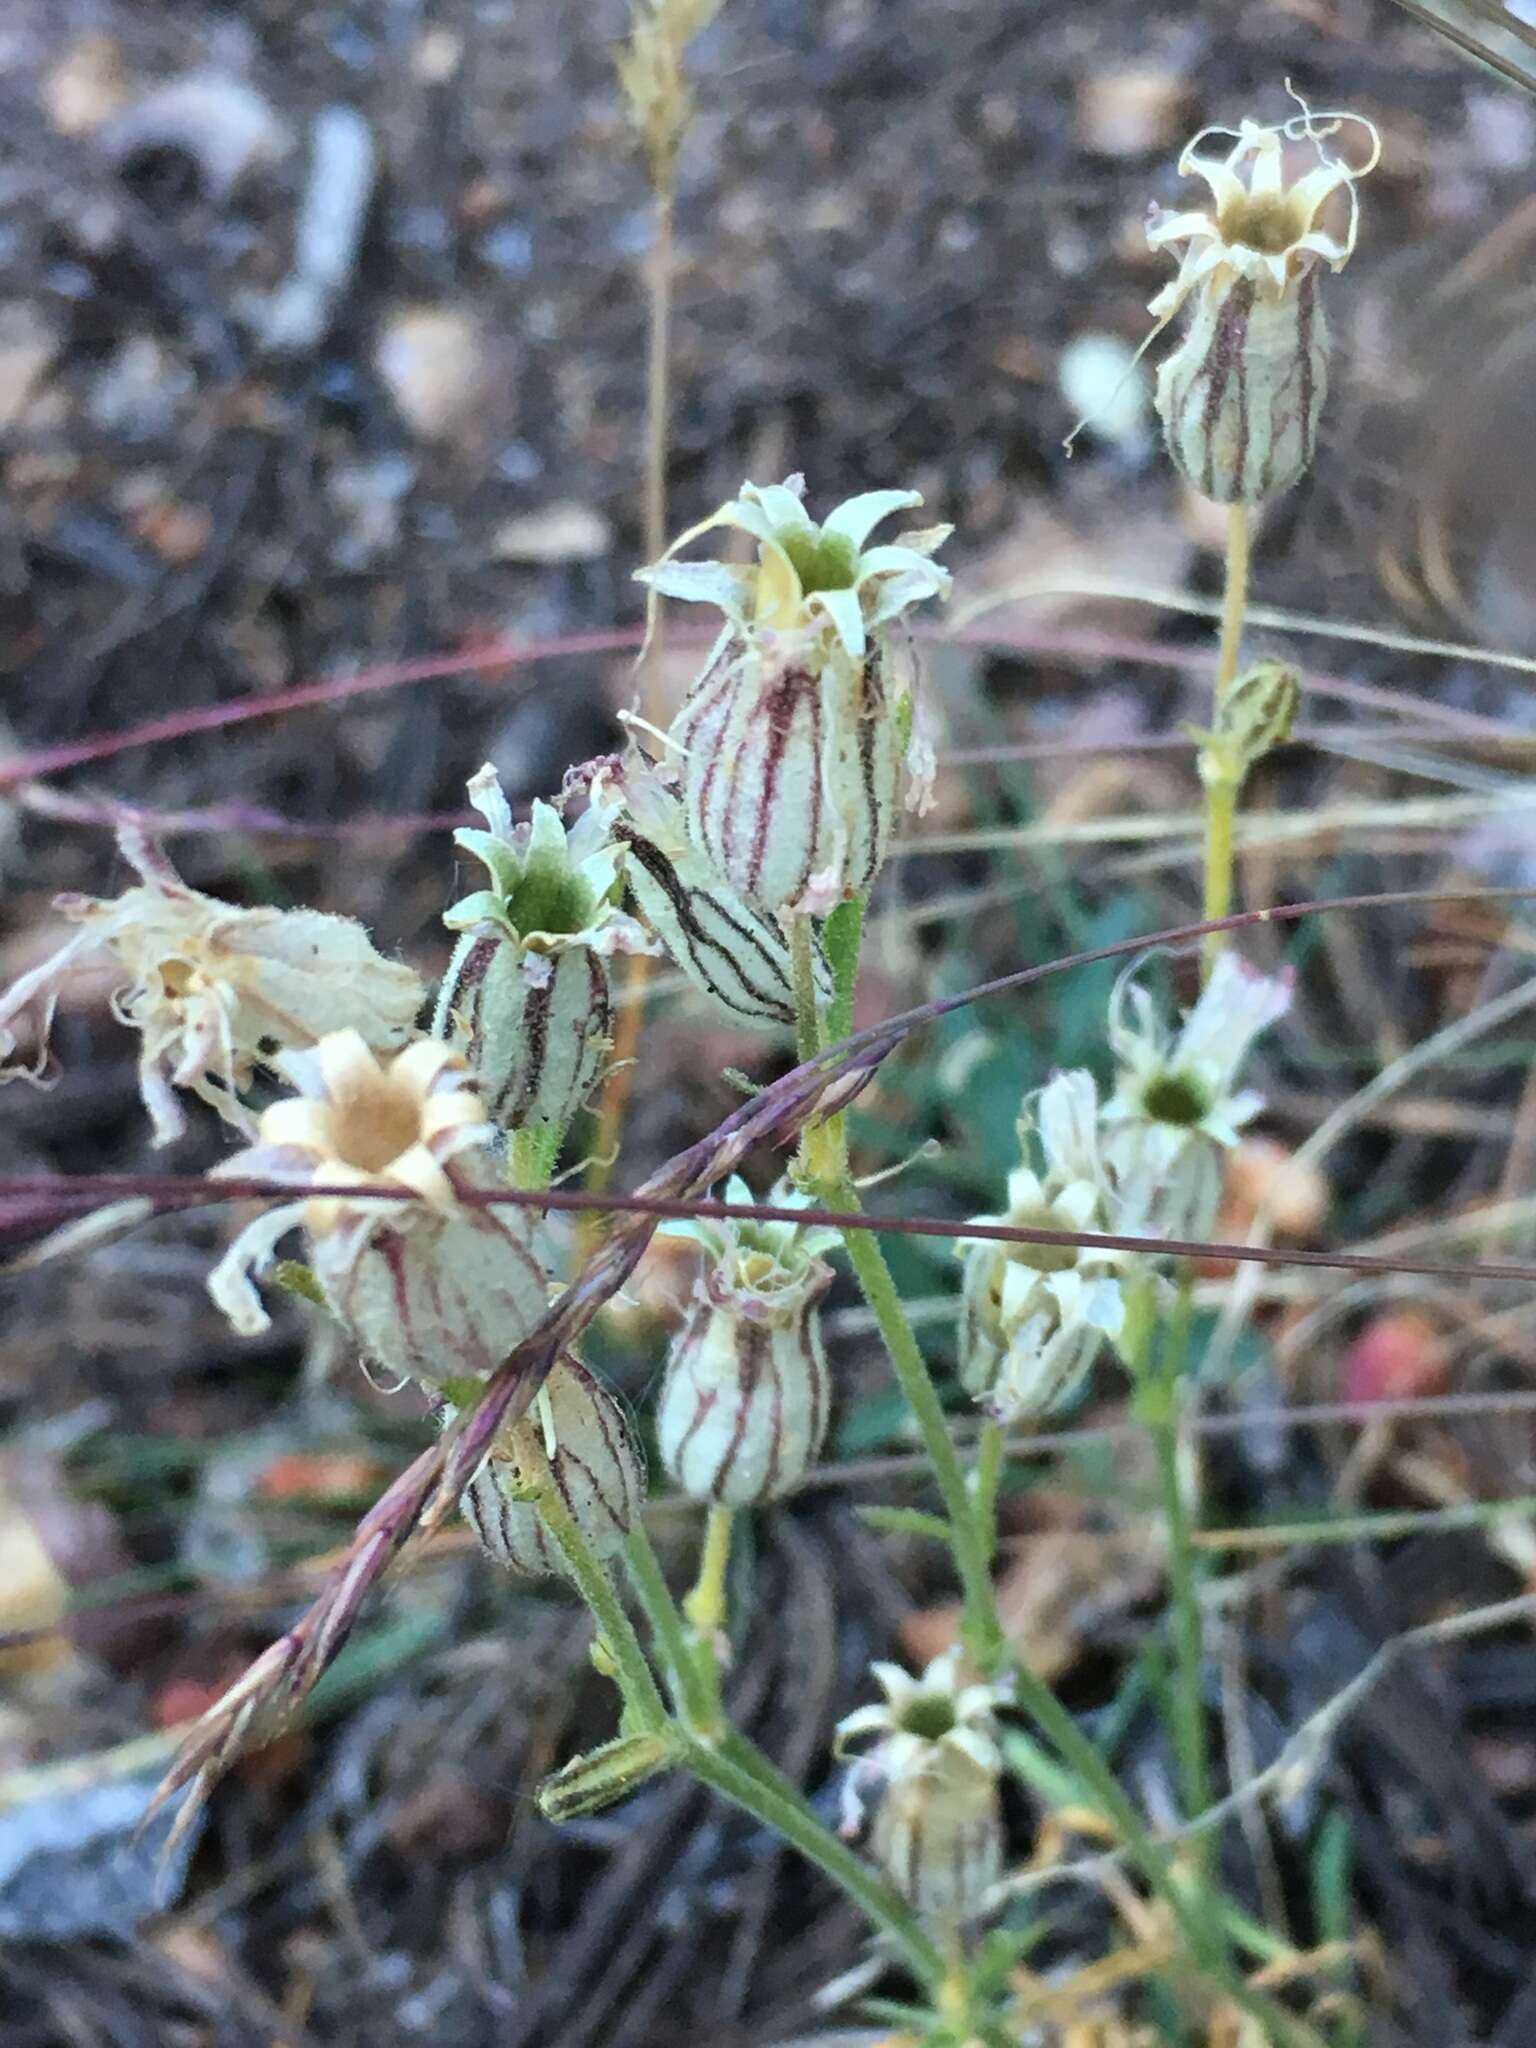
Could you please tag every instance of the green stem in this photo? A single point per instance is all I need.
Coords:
(1160, 1402)
(802, 968)
(744, 1775)
(1221, 795)
(991, 1454)
(980, 1626)
(534, 1152)
(697, 1701)
(642, 1699)
(705, 1608)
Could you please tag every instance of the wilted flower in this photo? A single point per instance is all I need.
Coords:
(1176, 1102)
(576, 1438)
(429, 1285)
(744, 1405)
(1241, 395)
(214, 990)
(732, 951)
(793, 734)
(937, 1827)
(525, 998)
(1032, 1316)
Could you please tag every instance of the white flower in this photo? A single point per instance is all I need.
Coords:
(215, 990)
(1176, 1102)
(937, 1828)
(792, 735)
(1032, 1317)
(526, 996)
(1241, 395)
(430, 1285)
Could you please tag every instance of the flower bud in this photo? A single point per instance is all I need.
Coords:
(526, 997)
(213, 990)
(744, 1405)
(732, 951)
(937, 1826)
(577, 1439)
(431, 1286)
(1256, 714)
(1241, 395)
(604, 1776)
(793, 734)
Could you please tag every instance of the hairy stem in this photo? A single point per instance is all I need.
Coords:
(1221, 794)
(746, 1777)
(980, 1626)
(632, 1674)
(694, 1697)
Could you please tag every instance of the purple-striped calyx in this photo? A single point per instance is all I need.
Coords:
(576, 1440)
(526, 996)
(793, 735)
(744, 1405)
(932, 1778)
(432, 1285)
(732, 951)
(1241, 395)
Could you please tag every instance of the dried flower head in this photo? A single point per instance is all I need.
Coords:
(576, 1439)
(1176, 1102)
(526, 997)
(792, 736)
(1032, 1317)
(743, 1409)
(933, 1775)
(731, 950)
(1241, 395)
(214, 990)
(430, 1285)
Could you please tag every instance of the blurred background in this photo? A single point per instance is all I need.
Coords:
(322, 351)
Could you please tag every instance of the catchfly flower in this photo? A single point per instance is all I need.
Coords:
(744, 1405)
(1241, 394)
(932, 1781)
(526, 997)
(1177, 1104)
(1034, 1316)
(431, 1286)
(792, 737)
(575, 1439)
(214, 990)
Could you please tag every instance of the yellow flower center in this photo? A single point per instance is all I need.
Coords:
(372, 1121)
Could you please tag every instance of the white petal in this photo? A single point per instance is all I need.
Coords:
(856, 518)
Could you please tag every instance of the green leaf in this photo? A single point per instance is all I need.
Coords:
(906, 1521)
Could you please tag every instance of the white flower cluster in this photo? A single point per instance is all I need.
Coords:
(1146, 1163)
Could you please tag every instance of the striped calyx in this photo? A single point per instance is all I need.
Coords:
(744, 1405)
(793, 735)
(731, 950)
(526, 997)
(1241, 394)
(576, 1439)
(431, 1286)
(932, 1779)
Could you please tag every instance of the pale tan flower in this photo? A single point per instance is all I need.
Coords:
(214, 990)
(431, 1285)
(933, 1775)
(1241, 395)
